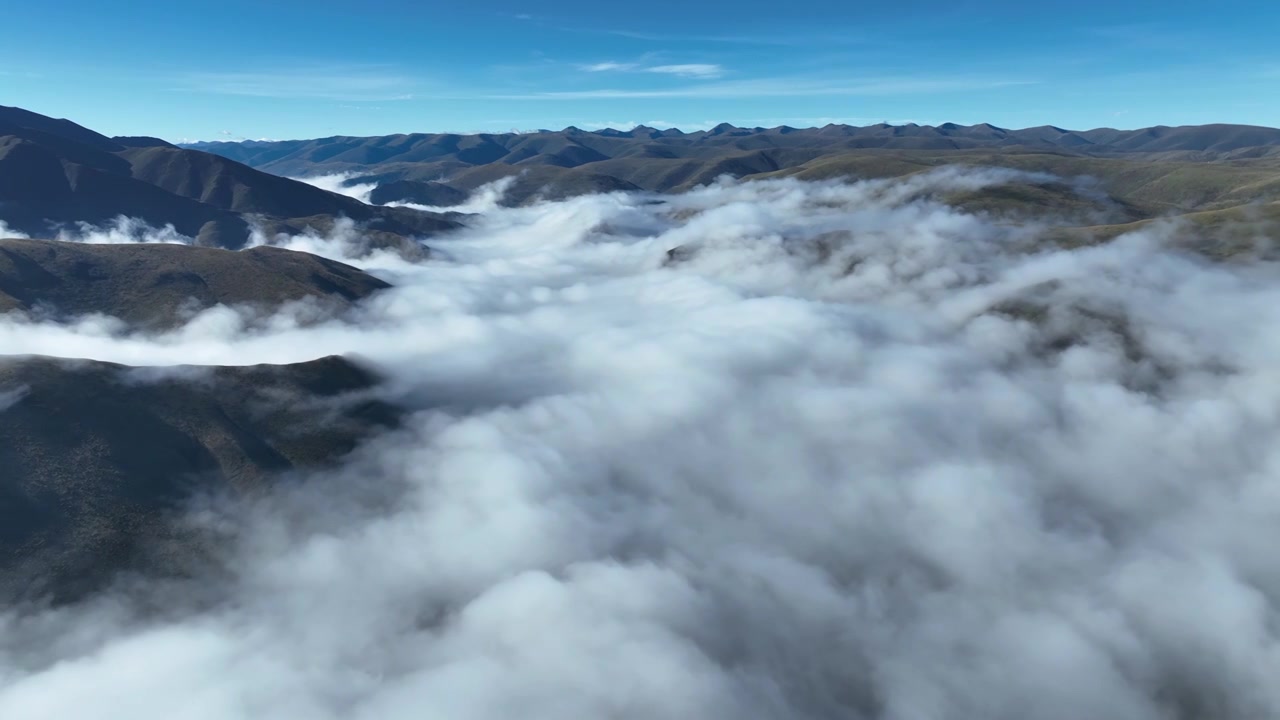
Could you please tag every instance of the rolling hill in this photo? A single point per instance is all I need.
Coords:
(156, 285)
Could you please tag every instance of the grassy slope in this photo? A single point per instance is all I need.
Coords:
(152, 285)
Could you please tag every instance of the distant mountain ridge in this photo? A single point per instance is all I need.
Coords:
(550, 146)
(55, 173)
(432, 169)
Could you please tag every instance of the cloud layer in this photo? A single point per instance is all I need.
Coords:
(763, 450)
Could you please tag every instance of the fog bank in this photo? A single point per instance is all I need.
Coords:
(762, 450)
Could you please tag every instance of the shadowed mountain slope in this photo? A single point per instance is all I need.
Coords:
(94, 455)
(54, 173)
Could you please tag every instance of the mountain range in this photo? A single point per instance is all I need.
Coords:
(94, 455)
(434, 169)
(55, 174)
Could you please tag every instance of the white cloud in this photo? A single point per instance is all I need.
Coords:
(8, 232)
(705, 71)
(122, 231)
(487, 198)
(10, 397)
(340, 183)
(781, 87)
(856, 454)
(691, 70)
(608, 66)
(330, 82)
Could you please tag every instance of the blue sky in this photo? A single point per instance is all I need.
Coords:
(291, 69)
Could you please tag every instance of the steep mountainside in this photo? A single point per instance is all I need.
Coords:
(54, 173)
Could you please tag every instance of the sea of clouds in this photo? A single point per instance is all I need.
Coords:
(846, 452)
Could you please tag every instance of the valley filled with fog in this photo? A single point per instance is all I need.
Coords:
(768, 449)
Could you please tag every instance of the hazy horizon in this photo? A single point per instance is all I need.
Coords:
(317, 69)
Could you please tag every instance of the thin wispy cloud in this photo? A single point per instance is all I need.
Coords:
(805, 39)
(9, 398)
(344, 83)
(706, 71)
(691, 70)
(609, 67)
(782, 87)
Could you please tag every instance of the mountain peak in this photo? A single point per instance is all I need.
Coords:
(65, 129)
